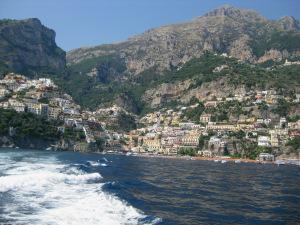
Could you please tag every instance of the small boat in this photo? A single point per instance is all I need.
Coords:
(216, 160)
(49, 149)
(128, 153)
(223, 161)
(280, 162)
(237, 161)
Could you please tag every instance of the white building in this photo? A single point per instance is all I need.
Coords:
(264, 141)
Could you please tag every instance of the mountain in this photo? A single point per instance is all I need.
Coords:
(224, 52)
(241, 33)
(26, 46)
(174, 63)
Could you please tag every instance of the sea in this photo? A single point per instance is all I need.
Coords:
(66, 188)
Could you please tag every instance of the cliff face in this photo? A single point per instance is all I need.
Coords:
(183, 91)
(243, 34)
(28, 47)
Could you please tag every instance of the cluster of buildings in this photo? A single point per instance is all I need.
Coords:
(165, 132)
(164, 139)
(43, 98)
(289, 63)
(40, 97)
(168, 131)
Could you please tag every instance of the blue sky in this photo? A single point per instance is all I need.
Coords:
(91, 22)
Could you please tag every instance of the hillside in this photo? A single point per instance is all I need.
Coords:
(241, 33)
(203, 78)
(147, 68)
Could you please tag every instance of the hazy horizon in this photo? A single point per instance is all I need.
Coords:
(83, 24)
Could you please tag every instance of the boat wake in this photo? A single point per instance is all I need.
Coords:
(50, 192)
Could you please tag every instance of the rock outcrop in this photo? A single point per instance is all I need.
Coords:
(28, 47)
(289, 23)
(273, 54)
(183, 92)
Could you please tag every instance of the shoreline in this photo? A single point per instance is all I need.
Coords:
(295, 162)
(220, 159)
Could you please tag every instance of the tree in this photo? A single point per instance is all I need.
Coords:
(263, 108)
(188, 151)
(126, 122)
(283, 107)
(100, 142)
(194, 114)
(295, 144)
(28, 125)
(239, 135)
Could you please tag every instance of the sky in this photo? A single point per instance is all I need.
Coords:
(82, 23)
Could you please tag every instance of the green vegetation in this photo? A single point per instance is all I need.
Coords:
(94, 91)
(103, 63)
(188, 151)
(100, 142)
(44, 100)
(283, 107)
(199, 68)
(72, 133)
(294, 144)
(236, 155)
(223, 110)
(293, 118)
(239, 134)
(3, 69)
(126, 122)
(202, 140)
(27, 125)
(289, 40)
(263, 108)
(253, 152)
(194, 114)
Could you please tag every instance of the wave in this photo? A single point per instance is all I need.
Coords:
(55, 193)
(14, 182)
(96, 163)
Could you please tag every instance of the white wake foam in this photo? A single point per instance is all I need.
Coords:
(96, 163)
(58, 196)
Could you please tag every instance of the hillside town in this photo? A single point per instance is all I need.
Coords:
(43, 98)
(240, 126)
(252, 130)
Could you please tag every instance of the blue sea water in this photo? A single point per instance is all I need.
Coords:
(42, 187)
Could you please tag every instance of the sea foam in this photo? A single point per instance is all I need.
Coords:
(50, 192)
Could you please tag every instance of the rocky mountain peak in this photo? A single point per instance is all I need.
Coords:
(289, 23)
(240, 33)
(235, 13)
(225, 10)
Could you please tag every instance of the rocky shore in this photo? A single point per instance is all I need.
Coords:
(37, 143)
